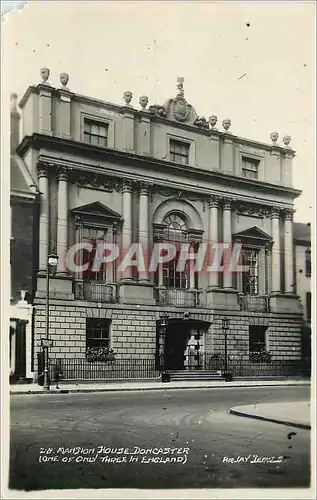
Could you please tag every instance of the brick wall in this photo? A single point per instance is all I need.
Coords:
(22, 255)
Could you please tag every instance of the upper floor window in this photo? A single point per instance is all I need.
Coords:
(308, 263)
(250, 279)
(179, 152)
(95, 133)
(175, 233)
(250, 168)
(93, 236)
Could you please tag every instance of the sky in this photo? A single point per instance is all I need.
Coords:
(252, 62)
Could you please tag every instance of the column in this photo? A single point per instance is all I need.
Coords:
(276, 252)
(213, 238)
(227, 238)
(62, 220)
(192, 267)
(288, 251)
(127, 225)
(144, 228)
(44, 216)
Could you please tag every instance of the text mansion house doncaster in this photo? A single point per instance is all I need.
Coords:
(149, 174)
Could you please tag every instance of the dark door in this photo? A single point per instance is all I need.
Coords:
(175, 346)
(20, 350)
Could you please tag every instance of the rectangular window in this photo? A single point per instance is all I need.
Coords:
(95, 133)
(250, 168)
(97, 333)
(250, 279)
(93, 236)
(308, 306)
(179, 152)
(308, 263)
(257, 339)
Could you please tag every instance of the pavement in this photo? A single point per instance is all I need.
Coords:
(295, 414)
(155, 385)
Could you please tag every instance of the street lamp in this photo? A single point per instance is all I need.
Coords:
(225, 327)
(163, 328)
(52, 261)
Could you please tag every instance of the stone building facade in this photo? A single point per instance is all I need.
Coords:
(144, 174)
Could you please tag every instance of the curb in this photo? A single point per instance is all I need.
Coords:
(268, 419)
(160, 388)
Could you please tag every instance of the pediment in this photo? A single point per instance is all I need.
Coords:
(253, 234)
(96, 209)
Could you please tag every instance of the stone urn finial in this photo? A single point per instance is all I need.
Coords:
(64, 79)
(143, 101)
(45, 74)
(213, 120)
(226, 123)
(287, 140)
(127, 96)
(274, 137)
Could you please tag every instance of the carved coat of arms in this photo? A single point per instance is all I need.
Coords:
(180, 109)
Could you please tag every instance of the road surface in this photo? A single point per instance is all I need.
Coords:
(217, 445)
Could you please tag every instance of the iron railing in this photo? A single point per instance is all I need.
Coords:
(119, 369)
(178, 297)
(247, 368)
(255, 303)
(150, 368)
(95, 291)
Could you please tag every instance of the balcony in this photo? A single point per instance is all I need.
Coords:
(95, 291)
(254, 303)
(178, 297)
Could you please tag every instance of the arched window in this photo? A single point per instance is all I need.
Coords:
(176, 232)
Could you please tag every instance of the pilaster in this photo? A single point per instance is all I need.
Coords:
(64, 113)
(45, 109)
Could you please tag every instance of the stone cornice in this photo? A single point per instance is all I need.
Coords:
(38, 141)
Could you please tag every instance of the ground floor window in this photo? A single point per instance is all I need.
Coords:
(98, 339)
(258, 348)
(97, 333)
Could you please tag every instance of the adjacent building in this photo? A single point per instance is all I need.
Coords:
(23, 247)
(302, 269)
(135, 173)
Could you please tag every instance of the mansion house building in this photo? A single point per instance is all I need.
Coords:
(140, 173)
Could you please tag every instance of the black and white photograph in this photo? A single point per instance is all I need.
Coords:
(157, 257)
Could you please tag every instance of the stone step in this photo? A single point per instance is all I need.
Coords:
(195, 375)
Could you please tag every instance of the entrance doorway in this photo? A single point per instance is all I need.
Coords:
(18, 350)
(175, 344)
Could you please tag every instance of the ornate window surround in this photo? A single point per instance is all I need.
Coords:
(103, 119)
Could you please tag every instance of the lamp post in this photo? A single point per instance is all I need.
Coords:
(52, 261)
(225, 327)
(163, 329)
